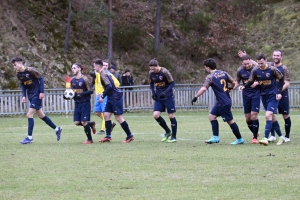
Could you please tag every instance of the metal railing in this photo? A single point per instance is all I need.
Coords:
(136, 98)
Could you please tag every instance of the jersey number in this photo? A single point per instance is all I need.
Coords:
(223, 82)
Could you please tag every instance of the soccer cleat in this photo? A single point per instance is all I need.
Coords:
(58, 133)
(105, 139)
(254, 141)
(113, 126)
(101, 132)
(93, 127)
(272, 139)
(264, 141)
(238, 141)
(26, 141)
(213, 139)
(280, 141)
(88, 142)
(172, 140)
(128, 139)
(286, 139)
(167, 135)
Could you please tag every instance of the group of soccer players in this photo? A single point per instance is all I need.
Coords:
(261, 81)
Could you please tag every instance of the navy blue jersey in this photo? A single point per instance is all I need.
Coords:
(113, 94)
(243, 75)
(162, 81)
(31, 81)
(80, 86)
(286, 76)
(219, 80)
(266, 78)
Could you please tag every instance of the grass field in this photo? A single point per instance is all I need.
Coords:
(147, 168)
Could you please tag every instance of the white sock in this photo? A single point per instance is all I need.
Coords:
(30, 137)
(57, 128)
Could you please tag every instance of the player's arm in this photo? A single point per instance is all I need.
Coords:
(279, 76)
(40, 78)
(171, 82)
(88, 84)
(108, 85)
(286, 74)
(238, 78)
(251, 79)
(23, 93)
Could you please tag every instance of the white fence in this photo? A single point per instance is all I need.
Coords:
(136, 99)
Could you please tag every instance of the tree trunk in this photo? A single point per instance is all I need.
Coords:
(68, 26)
(110, 27)
(157, 27)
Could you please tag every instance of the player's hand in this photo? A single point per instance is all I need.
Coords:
(278, 96)
(254, 84)
(23, 99)
(162, 95)
(241, 53)
(93, 74)
(241, 88)
(65, 98)
(101, 99)
(41, 96)
(154, 97)
(194, 100)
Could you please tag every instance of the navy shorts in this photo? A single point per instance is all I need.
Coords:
(284, 105)
(100, 107)
(270, 103)
(162, 105)
(251, 105)
(114, 106)
(82, 112)
(36, 103)
(223, 111)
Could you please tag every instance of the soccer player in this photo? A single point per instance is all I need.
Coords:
(284, 102)
(82, 112)
(251, 96)
(161, 85)
(270, 93)
(32, 83)
(219, 81)
(114, 103)
(100, 107)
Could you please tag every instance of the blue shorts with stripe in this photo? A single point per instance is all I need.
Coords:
(284, 105)
(36, 103)
(270, 103)
(223, 111)
(162, 105)
(251, 105)
(114, 106)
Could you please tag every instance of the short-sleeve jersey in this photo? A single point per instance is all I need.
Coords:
(218, 81)
(266, 78)
(98, 86)
(243, 75)
(162, 81)
(286, 76)
(79, 86)
(30, 79)
(107, 79)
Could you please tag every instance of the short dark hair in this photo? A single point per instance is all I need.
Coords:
(211, 63)
(127, 70)
(98, 62)
(245, 57)
(279, 51)
(153, 62)
(261, 56)
(78, 65)
(16, 59)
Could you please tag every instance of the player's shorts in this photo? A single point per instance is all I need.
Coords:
(36, 103)
(270, 103)
(223, 111)
(114, 106)
(284, 105)
(162, 105)
(251, 105)
(100, 107)
(82, 112)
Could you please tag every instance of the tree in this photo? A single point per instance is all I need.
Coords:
(157, 27)
(110, 26)
(68, 26)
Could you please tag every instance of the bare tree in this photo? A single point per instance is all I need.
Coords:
(157, 27)
(68, 26)
(110, 26)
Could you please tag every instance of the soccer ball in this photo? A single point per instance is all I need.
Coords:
(69, 94)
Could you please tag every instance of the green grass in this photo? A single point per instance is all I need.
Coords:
(146, 168)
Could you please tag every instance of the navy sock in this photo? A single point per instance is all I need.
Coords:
(268, 128)
(215, 127)
(273, 131)
(255, 127)
(125, 127)
(163, 124)
(30, 126)
(276, 127)
(250, 126)
(235, 129)
(174, 127)
(87, 130)
(108, 126)
(48, 121)
(287, 126)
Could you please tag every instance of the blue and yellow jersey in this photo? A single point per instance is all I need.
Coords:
(266, 78)
(106, 79)
(81, 86)
(99, 89)
(31, 82)
(243, 75)
(161, 81)
(218, 81)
